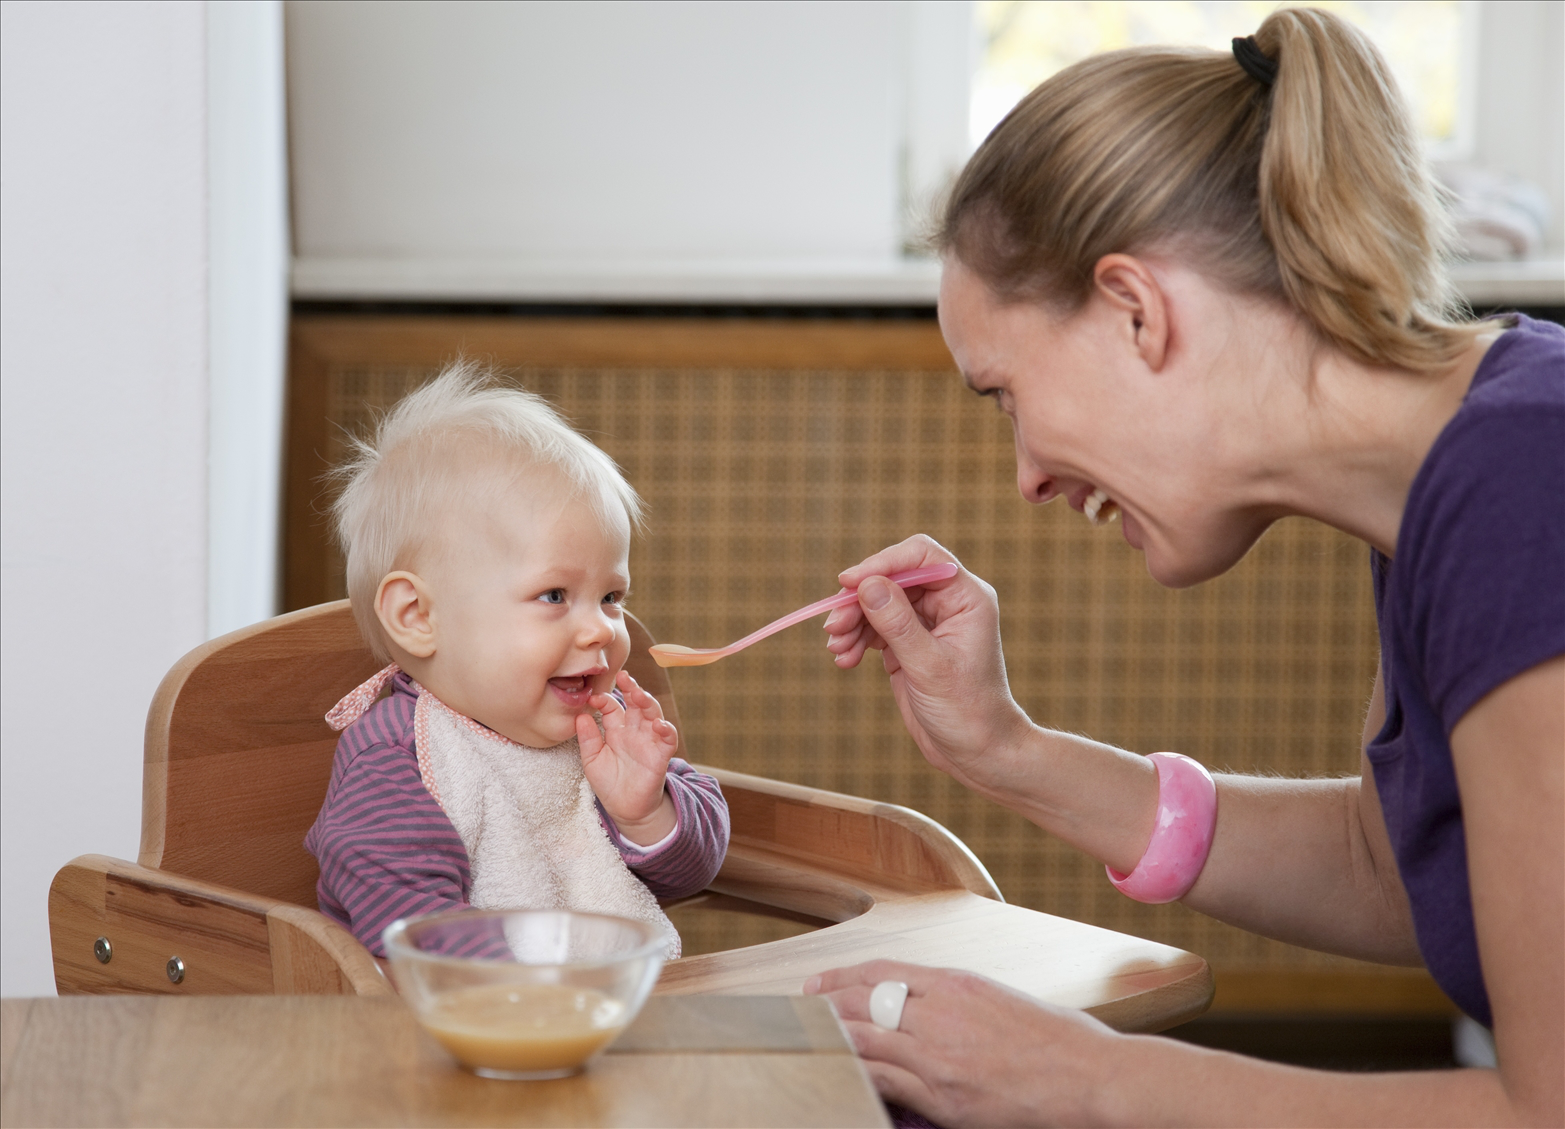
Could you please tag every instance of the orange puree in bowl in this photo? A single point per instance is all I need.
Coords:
(524, 1027)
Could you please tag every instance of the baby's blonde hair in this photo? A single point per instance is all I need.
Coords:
(462, 436)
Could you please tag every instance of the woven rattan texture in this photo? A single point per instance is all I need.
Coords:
(763, 484)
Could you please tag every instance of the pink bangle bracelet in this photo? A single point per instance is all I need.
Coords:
(1181, 837)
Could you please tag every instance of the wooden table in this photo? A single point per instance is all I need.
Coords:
(337, 1060)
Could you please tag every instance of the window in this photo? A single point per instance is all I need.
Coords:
(1430, 45)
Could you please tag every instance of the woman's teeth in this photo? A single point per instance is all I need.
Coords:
(1098, 507)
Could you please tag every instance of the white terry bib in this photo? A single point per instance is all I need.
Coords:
(529, 821)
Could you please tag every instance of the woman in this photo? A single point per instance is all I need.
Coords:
(1207, 291)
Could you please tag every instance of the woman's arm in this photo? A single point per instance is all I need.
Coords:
(1302, 861)
(970, 1051)
(1309, 862)
(1509, 751)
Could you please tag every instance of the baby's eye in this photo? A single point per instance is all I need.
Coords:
(553, 596)
(614, 598)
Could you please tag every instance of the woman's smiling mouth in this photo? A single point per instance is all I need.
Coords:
(1099, 508)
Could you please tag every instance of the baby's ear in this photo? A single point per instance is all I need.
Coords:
(403, 606)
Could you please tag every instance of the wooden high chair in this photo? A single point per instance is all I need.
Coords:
(222, 898)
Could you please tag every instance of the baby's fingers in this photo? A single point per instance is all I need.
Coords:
(588, 736)
(666, 733)
(644, 718)
(614, 719)
(606, 704)
(636, 697)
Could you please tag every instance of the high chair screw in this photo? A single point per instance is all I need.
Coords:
(103, 950)
(175, 969)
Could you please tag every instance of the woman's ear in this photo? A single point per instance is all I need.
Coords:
(1127, 285)
(405, 611)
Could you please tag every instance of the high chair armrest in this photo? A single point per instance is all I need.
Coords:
(116, 927)
(874, 846)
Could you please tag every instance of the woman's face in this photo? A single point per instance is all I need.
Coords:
(1092, 409)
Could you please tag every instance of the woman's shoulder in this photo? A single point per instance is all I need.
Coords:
(1474, 587)
(1507, 434)
(1524, 370)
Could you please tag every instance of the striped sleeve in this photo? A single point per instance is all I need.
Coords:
(690, 858)
(385, 847)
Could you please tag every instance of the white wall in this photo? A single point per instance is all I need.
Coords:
(461, 149)
(106, 303)
(608, 130)
(247, 180)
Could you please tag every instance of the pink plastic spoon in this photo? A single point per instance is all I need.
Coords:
(672, 654)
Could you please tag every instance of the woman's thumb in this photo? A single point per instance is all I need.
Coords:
(888, 611)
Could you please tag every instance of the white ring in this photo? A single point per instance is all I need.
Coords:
(885, 1004)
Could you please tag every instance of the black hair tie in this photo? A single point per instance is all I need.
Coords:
(1255, 62)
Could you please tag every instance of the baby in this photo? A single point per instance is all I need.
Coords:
(514, 764)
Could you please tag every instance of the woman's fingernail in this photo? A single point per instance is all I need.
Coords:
(875, 593)
(812, 985)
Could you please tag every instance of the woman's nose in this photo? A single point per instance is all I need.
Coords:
(1034, 485)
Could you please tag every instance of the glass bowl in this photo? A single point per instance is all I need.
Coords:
(524, 993)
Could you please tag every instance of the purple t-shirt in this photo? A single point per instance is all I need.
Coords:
(1475, 596)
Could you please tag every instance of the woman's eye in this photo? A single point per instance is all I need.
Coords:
(553, 596)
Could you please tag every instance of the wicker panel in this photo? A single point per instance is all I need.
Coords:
(762, 484)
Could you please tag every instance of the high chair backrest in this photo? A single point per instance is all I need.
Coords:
(238, 752)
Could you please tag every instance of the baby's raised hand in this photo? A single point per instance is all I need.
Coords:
(626, 762)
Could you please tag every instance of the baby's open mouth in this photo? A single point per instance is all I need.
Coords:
(1100, 508)
(576, 688)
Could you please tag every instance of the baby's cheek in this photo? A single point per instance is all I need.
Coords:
(618, 653)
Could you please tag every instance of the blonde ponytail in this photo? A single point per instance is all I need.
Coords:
(1311, 190)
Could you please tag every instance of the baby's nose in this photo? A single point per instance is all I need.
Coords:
(598, 629)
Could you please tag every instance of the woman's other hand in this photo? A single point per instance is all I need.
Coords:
(970, 1051)
(941, 647)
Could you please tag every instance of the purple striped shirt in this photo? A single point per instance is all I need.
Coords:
(387, 850)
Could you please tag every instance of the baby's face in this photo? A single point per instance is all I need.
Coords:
(527, 616)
